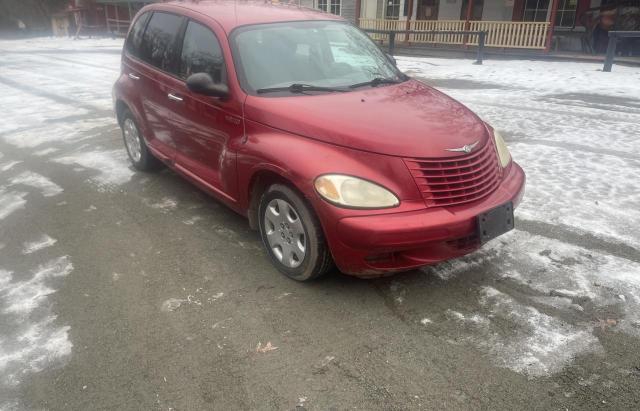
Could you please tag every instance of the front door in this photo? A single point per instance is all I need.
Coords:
(427, 10)
(476, 10)
(159, 51)
(208, 124)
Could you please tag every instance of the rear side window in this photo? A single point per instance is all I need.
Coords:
(135, 35)
(159, 43)
(201, 52)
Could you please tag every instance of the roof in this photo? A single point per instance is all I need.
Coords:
(231, 14)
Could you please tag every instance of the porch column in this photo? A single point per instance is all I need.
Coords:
(358, 11)
(409, 16)
(117, 19)
(106, 17)
(469, 11)
(466, 23)
(552, 24)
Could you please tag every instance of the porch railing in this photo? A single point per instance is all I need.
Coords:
(437, 25)
(512, 34)
(383, 25)
(507, 34)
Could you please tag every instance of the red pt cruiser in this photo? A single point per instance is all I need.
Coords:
(297, 120)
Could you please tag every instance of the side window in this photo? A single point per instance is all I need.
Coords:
(135, 35)
(201, 52)
(159, 45)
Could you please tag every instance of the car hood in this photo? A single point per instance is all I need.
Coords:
(409, 119)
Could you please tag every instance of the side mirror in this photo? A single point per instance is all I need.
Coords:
(392, 59)
(202, 83)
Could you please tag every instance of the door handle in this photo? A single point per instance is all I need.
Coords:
(174, 97)
(133, 76)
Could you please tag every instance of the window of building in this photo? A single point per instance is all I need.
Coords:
(201, 53)
(535, 10)
(566, 15)
(330, 6)
(393, 9)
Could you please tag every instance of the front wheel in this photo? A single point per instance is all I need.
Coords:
(292, 234)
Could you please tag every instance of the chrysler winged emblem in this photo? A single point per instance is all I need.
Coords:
(464, 149)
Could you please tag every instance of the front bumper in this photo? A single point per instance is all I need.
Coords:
(372, 245)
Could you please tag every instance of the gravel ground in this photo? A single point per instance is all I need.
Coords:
(126, 290)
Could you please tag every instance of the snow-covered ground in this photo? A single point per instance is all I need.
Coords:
(568, 273)
(575, 130)
(53, 104)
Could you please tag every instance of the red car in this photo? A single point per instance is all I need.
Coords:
(297, 120)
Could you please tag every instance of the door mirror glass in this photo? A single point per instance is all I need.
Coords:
(202, 83)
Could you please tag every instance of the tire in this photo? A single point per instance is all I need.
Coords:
(286, 222)
(134, 143)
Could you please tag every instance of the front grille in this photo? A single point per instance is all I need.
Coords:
(456, 180)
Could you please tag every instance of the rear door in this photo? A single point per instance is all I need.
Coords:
(208, 124)
(156, 70)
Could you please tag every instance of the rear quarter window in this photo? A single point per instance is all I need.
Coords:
(134, 40)
(160, 41)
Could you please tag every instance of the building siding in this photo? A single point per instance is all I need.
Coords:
(347, 8)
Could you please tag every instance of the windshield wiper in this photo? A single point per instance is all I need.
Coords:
(298, 88)
(375, 82)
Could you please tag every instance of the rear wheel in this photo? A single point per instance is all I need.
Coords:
(137, 149)
(292, 234)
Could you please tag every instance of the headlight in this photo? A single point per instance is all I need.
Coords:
(503, 151)
(354, 192)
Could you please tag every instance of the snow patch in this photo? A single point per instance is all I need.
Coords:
(46, 151)
(31, 340)
(172, 304)
(32, 349)
(531, 75)
(10, 201)
(64, 132)
(165, 205)
(43, 242)
(112, 165)
(46, 186)
(24, 296)
(539, 345)
(8, 165)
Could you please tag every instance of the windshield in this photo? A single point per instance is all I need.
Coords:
(317, 53)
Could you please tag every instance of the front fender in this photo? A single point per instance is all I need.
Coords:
(299, 160)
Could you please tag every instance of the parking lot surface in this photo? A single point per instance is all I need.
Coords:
(129, 290)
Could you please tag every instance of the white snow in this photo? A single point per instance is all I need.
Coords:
(112, 165)
(165, 205)
(10, 201)
(8, 165)
(72, 131)
(24, 296)
(540, 344)
(43, 242)
(29, 178)
(31, 339)
(532, 75)
(46, 151)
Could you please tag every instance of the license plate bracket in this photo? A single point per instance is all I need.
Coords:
(495, 222)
